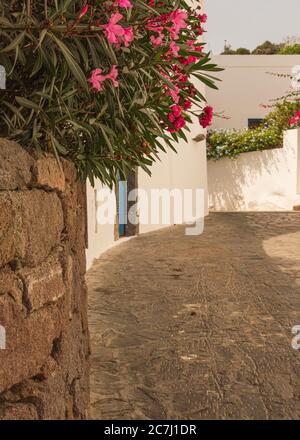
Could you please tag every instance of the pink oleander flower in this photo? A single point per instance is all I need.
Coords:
(180, 123)
(199, 48)
(174, 94)
(176, 110)
(113, 30)
(97, 78)
(157, 41)
(177, 121)
(196, 46)
(202, 18)
(113, 76)
(171, 117)
(154, 27)
(189, 60)
(183, 78)
(206, 117)
(187, 104)
(191, 43)
(174, 49)
(128, 36)
(83, 11)
(125, 4)
(178, 19)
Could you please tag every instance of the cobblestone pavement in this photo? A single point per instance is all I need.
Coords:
(199, 327)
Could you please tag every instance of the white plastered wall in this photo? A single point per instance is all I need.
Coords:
(258, 181)
(246, 85)
(100, 237)
(186, 169)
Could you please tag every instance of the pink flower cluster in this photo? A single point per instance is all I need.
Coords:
(295, 119)
(202, 18)
(176, 119)
(116, 33)
(169, 31)
(171, 23)
(124, 4)
(97, 78)
(206, 117)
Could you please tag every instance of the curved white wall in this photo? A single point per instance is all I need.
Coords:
(100, 237)
(257, 181)
(185, 170)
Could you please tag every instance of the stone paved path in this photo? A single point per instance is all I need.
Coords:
(199, 327)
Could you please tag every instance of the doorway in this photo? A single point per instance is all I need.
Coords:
(127, 205)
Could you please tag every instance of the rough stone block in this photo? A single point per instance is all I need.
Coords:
(29, 340)
(81, 398)
(48, 369)
(48, 174)
(18, 411)
(6, 230)
(15, 166)
(72, 356)
(68, 271)
(50, 396)
(43, 284)
(38, 223)
(69, 171)
(76, 291)
(11, 285)
(73, 203)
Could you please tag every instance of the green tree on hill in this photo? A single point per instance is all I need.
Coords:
(267, 48)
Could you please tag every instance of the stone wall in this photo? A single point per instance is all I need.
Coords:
(43, 297)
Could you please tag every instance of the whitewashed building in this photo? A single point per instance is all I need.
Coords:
(249, 82)
(260, 180)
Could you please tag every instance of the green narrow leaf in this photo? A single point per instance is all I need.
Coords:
(15, 42)
(74, 67)
(27, 103)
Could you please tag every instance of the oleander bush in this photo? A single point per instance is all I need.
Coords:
(107, 84)
(231, 143)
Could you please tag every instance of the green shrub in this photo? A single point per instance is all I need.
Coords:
(290, 50)
(231, 143)
(239, 51)
(242, 51)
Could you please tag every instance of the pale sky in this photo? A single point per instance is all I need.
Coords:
(247, 23)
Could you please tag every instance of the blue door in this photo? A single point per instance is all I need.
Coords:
(122, 207)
